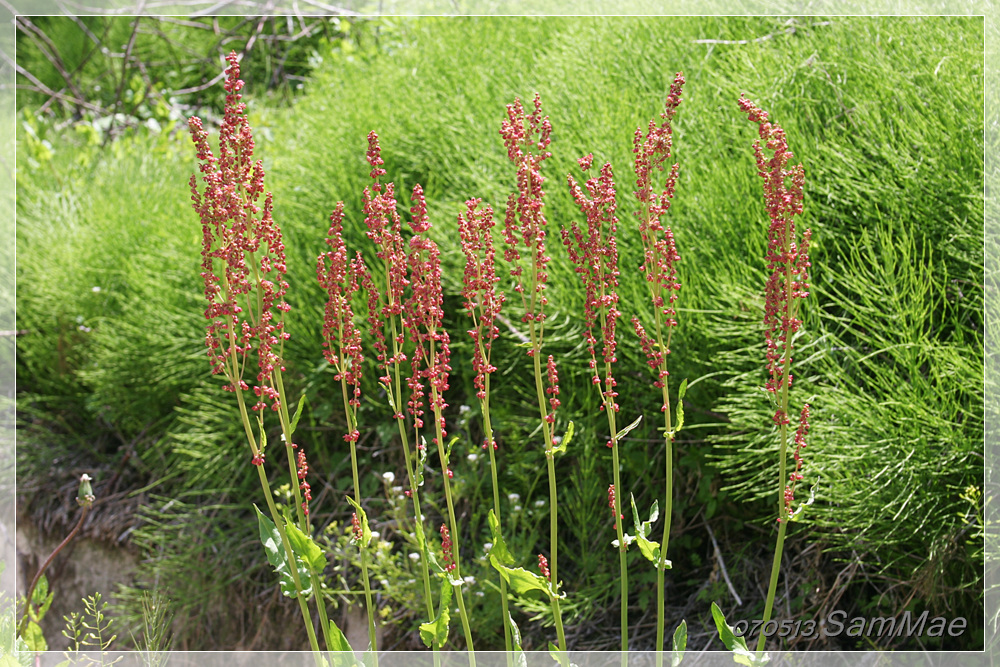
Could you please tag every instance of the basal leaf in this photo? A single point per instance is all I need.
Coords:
(276, 556)
(435, 633)
(680, 644)
(737, 645)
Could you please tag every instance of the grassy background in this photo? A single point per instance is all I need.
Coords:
(886, 116)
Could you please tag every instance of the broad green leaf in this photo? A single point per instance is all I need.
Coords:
(680, 405)
(628, 429)
(305, 549)
(433, 562)
(520, 659)
(499, 548)
(276, 556)
(34, 638)
(366, 533)
(298, 414)
(567, 438)
(520, 580)
(680, 644)
(737, 645)
(343, 654)
(435, 633)
(649, 549)
(42, 598)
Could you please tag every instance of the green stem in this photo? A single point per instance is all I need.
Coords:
(622, 564)
(668, 506)
(772, 587)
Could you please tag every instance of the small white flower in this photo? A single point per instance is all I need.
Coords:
(487, 547)
(540, 503)
(473, 457)
(95, 289)
(479, 594)
(375, 535)
(84, 329)
(469, 579)
(411, 581)
(397, 489)
(79, 319)
(462, 409)
(517, 508)
(389, 477)
(384, 582)
(513, 497)
(414, 557)
(282, 437)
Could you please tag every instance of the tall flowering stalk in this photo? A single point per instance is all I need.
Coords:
(423, 315)
(659, 266)
(243, 268)
(788, 261)
(342, 342)
(483, 303)
(527, 137)
(595, 253)
(385, 231)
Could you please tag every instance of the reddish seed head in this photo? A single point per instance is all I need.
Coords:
(543, 566)
(235, 228)
(611, 503)
(356, 528)
(595, 253)
(482, 300)
(446, 547)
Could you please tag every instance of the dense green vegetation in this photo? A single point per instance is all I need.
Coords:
(885, 114)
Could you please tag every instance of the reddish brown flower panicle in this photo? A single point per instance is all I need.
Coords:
(482, 300)
(527, 137)
(595, 253)
(302, 471)
(446, 547)
(800, 444)
(243, 256)
(611, 503)
(787, 253)
(340, 279)
(553, 391)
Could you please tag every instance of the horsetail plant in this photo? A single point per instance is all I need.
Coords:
(788, 260)
(660, 258)
(527, 138)
(341, 279)
(243, 268)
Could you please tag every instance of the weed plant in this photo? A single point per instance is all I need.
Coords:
(897, 218)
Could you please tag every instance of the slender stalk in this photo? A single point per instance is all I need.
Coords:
(48, 561)
(351, 427)
(618, 525)
(668, 505)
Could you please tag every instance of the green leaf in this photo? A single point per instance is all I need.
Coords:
(567, 438)
(499, 548)
(433, 562)
(366, 533)
(33, 637)
(342, 646)
(388, 393)
(305, 549)
(797, 514)
(276, 556)
(447, 451)
(680, 405)
(435, 633)
(738, 645)
(515, 637)
(520, 580)
(298, 414)
(421, 459)
(648, 548)
(680, 644)
(628, 429)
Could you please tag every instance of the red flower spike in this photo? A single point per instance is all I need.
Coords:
(482, 300)
(787, 253)
(235, 227)
(446, 547)
(595, 253)
(356, 531)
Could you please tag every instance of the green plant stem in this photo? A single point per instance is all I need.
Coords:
(668, 505)
(453, 525)
(396, 400)
(351, 428)
(623, 565)
(782, 464)
(484, 405)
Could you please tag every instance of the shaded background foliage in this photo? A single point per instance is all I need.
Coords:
(886, 116)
